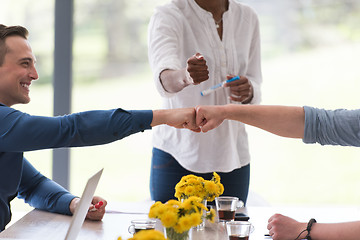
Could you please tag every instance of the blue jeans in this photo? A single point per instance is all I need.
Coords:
(166, 172)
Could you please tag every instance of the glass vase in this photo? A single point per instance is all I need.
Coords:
(201, 226)
(171, 234)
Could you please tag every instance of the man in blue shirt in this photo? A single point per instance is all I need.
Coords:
(20, 132)
(327, 127)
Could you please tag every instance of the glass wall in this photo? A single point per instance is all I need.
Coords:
(310, 51)
(38, 18)
(309, 58)
(111, 70)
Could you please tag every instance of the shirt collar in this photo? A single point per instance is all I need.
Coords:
(198, 9)
(203, 12)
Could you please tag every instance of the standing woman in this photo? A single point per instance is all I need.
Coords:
(194, 45)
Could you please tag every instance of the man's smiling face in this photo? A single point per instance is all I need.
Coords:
(17, 71)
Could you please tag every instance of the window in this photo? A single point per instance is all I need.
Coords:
(310, 52)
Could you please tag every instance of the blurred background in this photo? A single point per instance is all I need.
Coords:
(310, 56)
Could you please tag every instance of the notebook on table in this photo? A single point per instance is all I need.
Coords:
(83, 207)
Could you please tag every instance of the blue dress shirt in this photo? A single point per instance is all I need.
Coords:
(20, 132)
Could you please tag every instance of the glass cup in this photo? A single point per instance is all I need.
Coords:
(226, 207)
(239, 230)
(142, 224)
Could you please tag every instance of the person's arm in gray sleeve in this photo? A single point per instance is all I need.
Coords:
(332, 127)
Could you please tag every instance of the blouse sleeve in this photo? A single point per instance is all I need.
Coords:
(254, 70)
(163, 45)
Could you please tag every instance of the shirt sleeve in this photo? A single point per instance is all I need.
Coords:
(23, 132)
(43, 193)
(332, 127)
(163, 46)
(254, 73)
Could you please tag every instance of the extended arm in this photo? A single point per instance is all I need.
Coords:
(179, 118)
(335, 231)
(196, 71)
(313, 125)
(332, 127)
(284, 228)
(280, 120)
(75, 130)
(171, 72)
(174, 80)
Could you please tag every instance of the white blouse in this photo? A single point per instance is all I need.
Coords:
(177, 31)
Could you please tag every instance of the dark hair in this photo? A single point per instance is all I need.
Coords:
(7, 32)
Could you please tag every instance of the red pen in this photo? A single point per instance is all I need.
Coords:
(97, 206)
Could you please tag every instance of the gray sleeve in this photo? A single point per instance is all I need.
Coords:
(332, 127)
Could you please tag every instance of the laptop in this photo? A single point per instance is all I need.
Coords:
(83, 207)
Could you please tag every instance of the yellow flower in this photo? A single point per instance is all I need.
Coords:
(180, 216)
(159, 210)
(211, 215)
(216, 177)
(211, 187)
(194, 180)
(186, 204)
(169, 219)
(221, 188)
(195, 219)
(173, 202)
(148, 235)
(192, 185)
(189, 177)
(178, 228)
(190, 191)
(185, 223)
(193, 204)
(154, 210)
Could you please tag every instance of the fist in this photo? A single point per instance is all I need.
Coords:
(197, 69)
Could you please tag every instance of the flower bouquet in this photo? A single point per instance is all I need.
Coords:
(207, 190)
(179, 217)
(192, 185)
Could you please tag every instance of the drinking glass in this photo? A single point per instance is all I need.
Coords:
(141, 224)
(226, 207)
(239, 230)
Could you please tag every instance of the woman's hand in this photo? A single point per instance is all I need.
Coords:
(240, 90)
(197, 69)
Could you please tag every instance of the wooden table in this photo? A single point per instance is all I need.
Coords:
(43, 225)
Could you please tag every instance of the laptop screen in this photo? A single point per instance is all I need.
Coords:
(83, 207)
